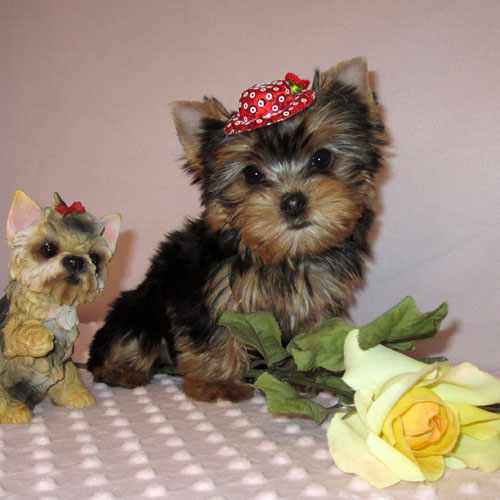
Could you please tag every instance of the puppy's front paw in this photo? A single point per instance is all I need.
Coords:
(202, 390)
(117, 376)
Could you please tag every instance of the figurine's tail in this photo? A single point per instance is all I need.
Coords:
(126, 350)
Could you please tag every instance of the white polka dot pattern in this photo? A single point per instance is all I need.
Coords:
(153, 442)
(263, 105)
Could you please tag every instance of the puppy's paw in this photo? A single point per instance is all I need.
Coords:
(120, 376)
(202, 390)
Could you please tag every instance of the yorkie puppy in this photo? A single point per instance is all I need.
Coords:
(59, 260)
(287, 188)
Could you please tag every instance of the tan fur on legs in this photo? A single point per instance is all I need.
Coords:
(70, 392)
(201, 390)
(120, 376)
(126, 365)
(216, 373)
(12, 411)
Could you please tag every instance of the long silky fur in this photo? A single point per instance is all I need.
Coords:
(240, 256)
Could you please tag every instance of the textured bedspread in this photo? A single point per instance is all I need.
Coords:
(153, 442)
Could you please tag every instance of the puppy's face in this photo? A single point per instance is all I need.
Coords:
(294, 188)
(64, 257)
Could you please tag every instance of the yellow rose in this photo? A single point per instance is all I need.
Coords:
(413, 419)
(424, 429)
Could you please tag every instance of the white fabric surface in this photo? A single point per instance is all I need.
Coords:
(153, 442)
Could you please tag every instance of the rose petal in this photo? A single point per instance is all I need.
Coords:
(370, 369)
(400, 465)
(351, 454)
(391, 394)
(477, 423)
(454, 463)
(470, 414)
(483, 455)
(448, 440)
(432, 467)
(418, 418)
(465, 383)
(396, 438)
(483, 431)
(362, 401)
(426, 445)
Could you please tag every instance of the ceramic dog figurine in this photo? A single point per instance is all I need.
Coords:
(59, 260)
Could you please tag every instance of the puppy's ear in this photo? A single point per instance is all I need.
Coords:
(190, 118)
(352, 73)
(22, 214)
(111, 229)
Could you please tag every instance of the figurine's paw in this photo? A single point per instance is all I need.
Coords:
(31, 339)
(80, 398)
(16, 412)
(74, 397)
(39, 341)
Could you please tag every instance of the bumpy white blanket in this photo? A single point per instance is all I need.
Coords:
(152, 442)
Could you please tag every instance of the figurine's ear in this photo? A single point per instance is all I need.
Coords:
(353, 73)
(57, 201)
(111, 229)
(190, 118)
(23, 213)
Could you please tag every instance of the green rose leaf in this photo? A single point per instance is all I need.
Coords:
(322, 347)
(402, 346)
(283, 399)
(401, 325)
(337, 385)
(257, 330)
(315, 358)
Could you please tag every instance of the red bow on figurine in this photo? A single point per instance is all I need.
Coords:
(75, 208)
(265, 104)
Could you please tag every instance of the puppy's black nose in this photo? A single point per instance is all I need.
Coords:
(73, 263)
(293, 204)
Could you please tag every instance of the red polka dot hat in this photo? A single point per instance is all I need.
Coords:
(265, 104)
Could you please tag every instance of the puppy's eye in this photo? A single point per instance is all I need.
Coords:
(322, 159)
(253, 175)
(49, 249)
(96, 260)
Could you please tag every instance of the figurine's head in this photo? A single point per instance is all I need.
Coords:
(291, 174)
(61, 251)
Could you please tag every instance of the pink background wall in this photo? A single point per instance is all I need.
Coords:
(84, 93)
